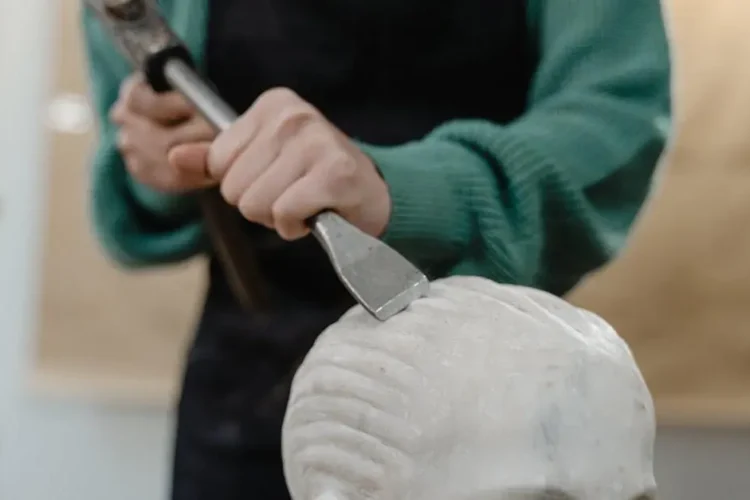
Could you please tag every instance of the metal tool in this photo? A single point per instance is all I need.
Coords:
(377, 276)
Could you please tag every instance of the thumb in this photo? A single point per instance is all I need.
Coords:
(190, 159)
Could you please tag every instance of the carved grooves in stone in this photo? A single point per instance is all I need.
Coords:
(340, 423)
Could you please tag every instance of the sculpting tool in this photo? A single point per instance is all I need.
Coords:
(378, 277)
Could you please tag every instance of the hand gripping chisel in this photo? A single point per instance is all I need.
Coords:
(377, 276)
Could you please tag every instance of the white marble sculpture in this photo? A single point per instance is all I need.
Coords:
(479, 392)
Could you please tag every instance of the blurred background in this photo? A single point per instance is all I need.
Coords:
(90, 355)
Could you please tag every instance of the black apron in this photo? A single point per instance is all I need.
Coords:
(385, 72)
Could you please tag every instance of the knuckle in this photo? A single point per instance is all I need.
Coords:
(296, 113)
(216, 161)
(124, 141)
(230, 194)
(141, 98)
(283, 110)
(340, 171)
(343, 167)
(252, 211)
(292, 115)
(279, 95)
(287, 221)
(128, 87)
(316, 143)
(292, 118)
(117, 113)
(282, 213)
(125, 89)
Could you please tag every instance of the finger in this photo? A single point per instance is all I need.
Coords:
(124, 141)
(278, 113)
(191, 159)
(143, 128)
(249, 165)
(165, 180)
(230, 143)
(269, 103)
(187, 181)
(195, 130)
(256, 202)
(128, 85)
(144, 137)
(118, 113)
(136, 168)
(136, 135)
(304, 199)
(170, 180)
(166, 108)
(188, 145)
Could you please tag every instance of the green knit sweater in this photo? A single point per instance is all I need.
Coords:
(539, 201)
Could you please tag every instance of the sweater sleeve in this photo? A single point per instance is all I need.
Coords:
(136, 226)
(546, 198)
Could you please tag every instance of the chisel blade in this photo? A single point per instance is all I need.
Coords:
(382, 280)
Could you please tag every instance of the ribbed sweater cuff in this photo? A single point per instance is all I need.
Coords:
(136, 225)
(430, 219)
(163, 206)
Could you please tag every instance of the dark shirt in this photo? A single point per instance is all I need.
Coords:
(382, 71)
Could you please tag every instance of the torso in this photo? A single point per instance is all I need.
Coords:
(386, 72)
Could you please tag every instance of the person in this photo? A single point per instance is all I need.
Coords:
(510, 140)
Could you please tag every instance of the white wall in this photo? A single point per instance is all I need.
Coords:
(51, 450)
(66, 451)
(703, 464)
(24, 44)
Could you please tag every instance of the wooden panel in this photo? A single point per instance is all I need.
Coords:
(680, 292)
(103, 331)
